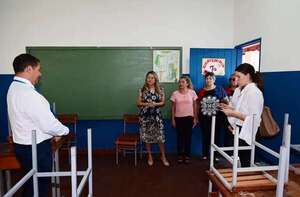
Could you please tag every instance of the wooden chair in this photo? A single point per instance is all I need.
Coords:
(128, 140)
(8, 162)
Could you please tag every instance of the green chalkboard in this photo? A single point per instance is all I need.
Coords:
(96, 82)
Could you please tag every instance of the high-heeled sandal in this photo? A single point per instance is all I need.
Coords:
(165, 162)
(150, 162)
(187, 160)
(180, 159)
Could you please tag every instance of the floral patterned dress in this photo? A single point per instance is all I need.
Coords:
(151, 123)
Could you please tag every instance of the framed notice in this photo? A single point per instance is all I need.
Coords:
(166, 64)
(215, 65)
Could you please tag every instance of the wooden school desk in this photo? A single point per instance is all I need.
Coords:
(8, 161)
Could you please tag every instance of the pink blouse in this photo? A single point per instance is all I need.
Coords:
(184, 103)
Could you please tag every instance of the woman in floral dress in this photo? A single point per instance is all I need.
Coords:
(151, 98)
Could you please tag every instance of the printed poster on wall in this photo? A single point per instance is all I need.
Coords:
(166, 64)
(215, 65)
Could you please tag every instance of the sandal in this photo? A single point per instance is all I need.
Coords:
(150, 162)
(165, 162)
(179, 160)
(187, 160)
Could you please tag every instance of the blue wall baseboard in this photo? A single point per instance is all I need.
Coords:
(5, 81)
(105, 133)
(281, 95)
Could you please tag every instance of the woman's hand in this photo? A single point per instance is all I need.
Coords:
(155, 104)
(231, 129)
(224, 106)
(228, 111)
(195, 122)
(233, 113)
(173, 123)
(151, 104)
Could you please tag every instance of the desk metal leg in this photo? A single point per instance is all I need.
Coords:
(209, 187)
(57, 170)
(1, 184)
(8, 179)
(53, 178)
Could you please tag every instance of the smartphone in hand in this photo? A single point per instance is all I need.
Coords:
(225, 100)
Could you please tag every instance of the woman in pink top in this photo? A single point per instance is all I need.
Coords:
(184, 117)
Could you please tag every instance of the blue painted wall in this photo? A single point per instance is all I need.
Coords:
(5, 81)
(196, 56)
(281, 95)
(104, 131)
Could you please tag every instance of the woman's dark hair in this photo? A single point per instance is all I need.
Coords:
(211, 74)
(256, 77)
(24, 60)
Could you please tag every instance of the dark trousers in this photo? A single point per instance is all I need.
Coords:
(44, 162)
(206, 134)
(244, 155)
(184, 126)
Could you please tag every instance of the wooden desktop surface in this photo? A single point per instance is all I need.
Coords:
(8, 160)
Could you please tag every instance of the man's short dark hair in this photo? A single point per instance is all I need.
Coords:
(24, 60)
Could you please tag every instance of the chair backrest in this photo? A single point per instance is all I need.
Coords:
(129, 119)
(68, 119)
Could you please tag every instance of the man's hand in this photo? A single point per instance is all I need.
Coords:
(56, 138)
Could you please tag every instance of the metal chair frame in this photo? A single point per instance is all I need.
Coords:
(283, 157)
(128, 141)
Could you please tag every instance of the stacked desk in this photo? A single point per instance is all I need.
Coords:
(246, 182)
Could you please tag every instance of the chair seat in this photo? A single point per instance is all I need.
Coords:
(128, 139)
(129, 136)
(132, 143)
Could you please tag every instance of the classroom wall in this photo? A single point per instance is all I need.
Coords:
(281, 94)
(277, 23)
(189, 23)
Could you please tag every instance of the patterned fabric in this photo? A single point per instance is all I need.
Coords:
(216, 93)
(151, 123)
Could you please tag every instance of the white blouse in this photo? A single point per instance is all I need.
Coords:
(249, 102)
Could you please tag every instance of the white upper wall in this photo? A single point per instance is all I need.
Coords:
(277, 23)
(189, 23)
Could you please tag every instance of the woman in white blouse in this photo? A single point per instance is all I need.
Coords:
(246, 106)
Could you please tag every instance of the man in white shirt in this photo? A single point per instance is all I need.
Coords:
(28, 110)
